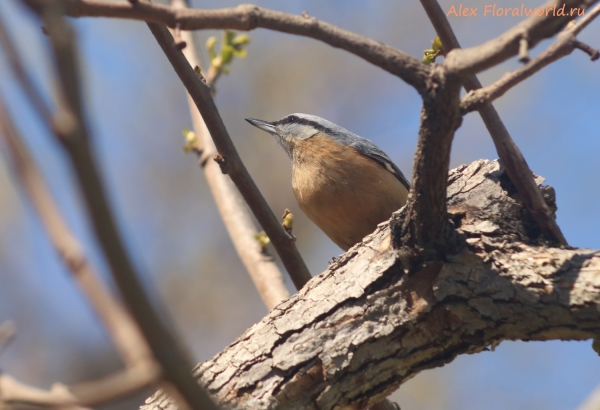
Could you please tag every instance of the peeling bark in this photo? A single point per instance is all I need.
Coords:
(356, 332)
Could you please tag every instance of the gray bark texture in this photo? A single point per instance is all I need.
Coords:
(367, 324)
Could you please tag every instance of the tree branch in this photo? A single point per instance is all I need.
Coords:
(123, 330)
(377, 326)
(509, 153)
(463, 62)
(92, 393)
(201, 95)
(248, 17)
(141, 369)
(563, 46)
(260, 265)
(22, 75)
(71, 130)
(426, 226)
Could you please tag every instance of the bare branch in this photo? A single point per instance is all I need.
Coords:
(592, 52)
(426, 226)
(23, 76)
(524, 49)
(202, 97)
(585, 20)
(262, 268)
(509, 153)
(534, 29)
(123, 331)
(92, 393)
(248, 17)
(141, 368)
(13, 391)
(72, 132)
(377, 326)
(563, 46)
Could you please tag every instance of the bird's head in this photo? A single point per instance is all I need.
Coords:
(291, 129)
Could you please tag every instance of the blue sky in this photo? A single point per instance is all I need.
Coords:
(137, 109)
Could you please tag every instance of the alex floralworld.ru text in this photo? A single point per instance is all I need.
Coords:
(495, 11)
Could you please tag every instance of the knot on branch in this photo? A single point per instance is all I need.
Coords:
(223, 163)
(250, 15)
(488, 203)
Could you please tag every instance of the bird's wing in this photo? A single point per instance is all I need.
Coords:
(367, 148)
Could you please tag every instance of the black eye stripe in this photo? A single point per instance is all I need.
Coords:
(292, 119)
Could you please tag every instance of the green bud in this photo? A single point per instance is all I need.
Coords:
(241, 40)
(262, 239)
(226, 54)
(436, 44)
(191, 140)
(228, 36)
(240, 53)
(288, 220)
(210, 45)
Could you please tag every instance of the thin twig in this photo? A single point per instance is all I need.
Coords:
(22, 74)
(202, 97)
(524, 49)
(93, 393)
(509, 153)
(563, 46)
(74, 136)
(592, 52)
(262, 268)
(248, 17)
(472, 60)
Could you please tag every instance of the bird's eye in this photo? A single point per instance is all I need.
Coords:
(292, 118)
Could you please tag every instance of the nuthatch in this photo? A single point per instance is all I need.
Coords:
(343, 182)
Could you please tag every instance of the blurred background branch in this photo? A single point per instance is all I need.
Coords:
(71, 130)
(141, 370)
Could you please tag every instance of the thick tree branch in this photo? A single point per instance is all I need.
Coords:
(200, 93)
(71, 130)
(248, 17)
(376, 325)
(563, 46)
(463, 62)
(426, 224)
(260, 265)
(509, 153)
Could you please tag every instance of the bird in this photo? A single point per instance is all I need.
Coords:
(344, 183)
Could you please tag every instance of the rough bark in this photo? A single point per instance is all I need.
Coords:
(356, 332)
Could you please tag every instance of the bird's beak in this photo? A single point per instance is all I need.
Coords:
(263, 125)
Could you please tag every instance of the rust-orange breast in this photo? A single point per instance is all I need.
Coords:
(344, 192)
